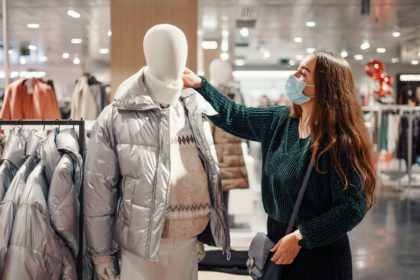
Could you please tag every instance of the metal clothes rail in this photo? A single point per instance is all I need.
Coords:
(82, 140)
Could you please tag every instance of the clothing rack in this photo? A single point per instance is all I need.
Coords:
(81, 138)
(411, 113)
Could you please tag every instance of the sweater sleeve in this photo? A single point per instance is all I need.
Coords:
(347, 211)
(239, 120)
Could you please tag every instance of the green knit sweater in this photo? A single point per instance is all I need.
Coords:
(328, 211)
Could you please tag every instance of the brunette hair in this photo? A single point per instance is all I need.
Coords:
(337, 122)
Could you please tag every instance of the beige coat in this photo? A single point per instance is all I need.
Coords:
(83, 104)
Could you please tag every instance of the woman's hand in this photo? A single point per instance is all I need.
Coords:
(190, 79)
(285, 250)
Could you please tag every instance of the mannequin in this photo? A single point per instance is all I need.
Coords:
(233, 170)
(156, 145)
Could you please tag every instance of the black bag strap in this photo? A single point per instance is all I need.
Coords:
(299, 198)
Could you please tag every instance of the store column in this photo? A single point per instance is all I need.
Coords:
(130, 19)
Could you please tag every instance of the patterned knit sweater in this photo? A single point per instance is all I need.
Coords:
(188, 209)
(328, 211)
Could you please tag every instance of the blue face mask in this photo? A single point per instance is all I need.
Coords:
(294, 90)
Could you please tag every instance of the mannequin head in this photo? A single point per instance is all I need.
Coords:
(165, 49)
(220, 72)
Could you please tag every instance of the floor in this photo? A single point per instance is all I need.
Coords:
(385, 245)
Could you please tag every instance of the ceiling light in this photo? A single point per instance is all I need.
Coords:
(298, 39)
(33, 25)
(365, 45)
(76, 41)
(244, 32)
(358, 56)
(240, 62)
(266, 54)
(76, 60)
(292, 62)
(224, 56)
(299, 57)
(310, 50)
(310, 24)
(73, 14)
(109, 33)
(396, 34)
(395, 60)
(414, 62)
(344, 53)
(22, 60)
(11, 51)
(66, 55)
(380, 50)
(209, 45)
(32, 47)
(43, 59)
(104, 51)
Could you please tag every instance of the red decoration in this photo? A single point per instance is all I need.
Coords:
(385, 79)
(374, 68)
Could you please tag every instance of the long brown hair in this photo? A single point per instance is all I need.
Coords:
(337, 122)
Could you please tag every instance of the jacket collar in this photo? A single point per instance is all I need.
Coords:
(35, 140)
(67, 142)
(14, 151)
(132, 94)
(50, 156)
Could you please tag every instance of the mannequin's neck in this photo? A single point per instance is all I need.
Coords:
(161, 92)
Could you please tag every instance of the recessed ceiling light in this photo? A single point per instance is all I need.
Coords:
(224, 56)
(380, 50)
(298, 39)
(240, 62)
(358, 56)
(76, 60)
(414, 62)
(209, 45)
(344, 53)
(299, 57)
(104, 51)
(395, 60)
(22, 60)
(11, 51)
(396, 34)
(43, 59)
(73, 14)
(32, 47)
(33, 25)
(266, 54)
(365, 45)
(109, 33)
(76, 41)
(65, 55)
(244, 32)
(310, 50)
(292, 62)
(310, 24)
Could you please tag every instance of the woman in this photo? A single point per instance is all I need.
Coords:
(325, 124)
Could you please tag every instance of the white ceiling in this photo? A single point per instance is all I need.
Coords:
(339, 25)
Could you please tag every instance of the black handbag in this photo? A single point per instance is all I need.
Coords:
(259, 267)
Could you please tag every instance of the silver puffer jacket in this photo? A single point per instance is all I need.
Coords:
(35, 241)
(127, 172)
(11, 160)
(11, 200)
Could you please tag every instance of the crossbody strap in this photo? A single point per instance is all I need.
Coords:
(299, 198)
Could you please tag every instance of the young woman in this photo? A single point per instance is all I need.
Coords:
(325, 124)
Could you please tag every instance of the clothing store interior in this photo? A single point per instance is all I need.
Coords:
(95, 185)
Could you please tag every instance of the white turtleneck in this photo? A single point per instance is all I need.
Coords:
(164, 94)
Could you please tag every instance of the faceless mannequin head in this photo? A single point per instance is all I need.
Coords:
(165, 49)
(220, 72)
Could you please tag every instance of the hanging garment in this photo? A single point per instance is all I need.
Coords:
(83, 104)
(63, 196)
(98, 92)
(229, 153)
(402, 149)
(128, 153)
(29, 99)
(34, 244)
(11, 160)
(393, 124)
(2, 143)
(11, 200)
(384, 132)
